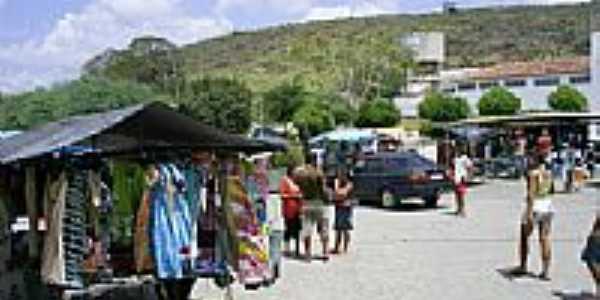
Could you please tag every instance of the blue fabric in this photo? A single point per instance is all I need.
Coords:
(170, 224)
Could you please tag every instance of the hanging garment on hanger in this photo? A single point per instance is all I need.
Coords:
(53, 259)
(143, 258)
(75, 221)
(170, 222)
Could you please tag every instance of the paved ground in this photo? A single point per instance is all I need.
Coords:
(413, 253)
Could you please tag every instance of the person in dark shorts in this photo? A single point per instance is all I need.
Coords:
(292, 207)
(591, 254)
(343, 211)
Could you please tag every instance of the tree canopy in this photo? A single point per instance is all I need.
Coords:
(567, 98)
(498, 101)
(377, 113)
(221, 102)
(438, 107)
(313, 117)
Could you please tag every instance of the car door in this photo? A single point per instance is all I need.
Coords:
(368, 179)
(396, 176)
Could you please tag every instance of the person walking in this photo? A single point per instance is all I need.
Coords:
(538, 212)
(312, 185)
(343, 211)
(591, 254)
(291, 197)
(462, 165)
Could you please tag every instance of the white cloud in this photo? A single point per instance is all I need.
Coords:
(258, 7)
(76, 37)
(361, 9)
(553, 2)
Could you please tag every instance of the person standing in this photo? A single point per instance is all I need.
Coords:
(462, 165)
(544, 144)
(312, 185)
(291, 197)
(538, 212)
(343, 211)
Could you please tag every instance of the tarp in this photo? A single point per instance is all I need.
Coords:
(352, 135)
(471, 133)
(143, 127)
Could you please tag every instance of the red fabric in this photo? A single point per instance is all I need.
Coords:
(461, 189)
(291, 198)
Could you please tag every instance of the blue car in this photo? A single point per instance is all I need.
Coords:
(386, 179)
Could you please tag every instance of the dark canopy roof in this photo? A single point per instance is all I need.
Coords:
(142, 127)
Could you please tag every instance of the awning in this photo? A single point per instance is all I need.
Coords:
(144, 127)
(351, 135)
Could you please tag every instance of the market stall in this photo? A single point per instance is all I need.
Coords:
(139, 201)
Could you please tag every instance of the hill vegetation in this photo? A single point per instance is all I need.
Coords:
(355, 60)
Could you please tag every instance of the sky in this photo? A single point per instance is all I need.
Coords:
(43, 42)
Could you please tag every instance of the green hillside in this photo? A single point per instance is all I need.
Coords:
(319, 51)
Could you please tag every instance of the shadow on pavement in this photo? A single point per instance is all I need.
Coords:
(406, 207)
(510, 274)
(574, 296)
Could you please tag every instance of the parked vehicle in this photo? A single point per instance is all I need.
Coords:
(388, 178)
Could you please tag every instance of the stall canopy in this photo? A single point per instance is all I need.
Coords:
(468, 133)
(144, 127)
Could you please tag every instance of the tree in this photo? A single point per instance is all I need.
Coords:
(566, 98)
(498, 101)
(313, 118)
(87, 95)
(377, 113)
(438, 107)
(282, 101)
(220, 102)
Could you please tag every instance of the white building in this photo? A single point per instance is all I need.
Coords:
(531, 81)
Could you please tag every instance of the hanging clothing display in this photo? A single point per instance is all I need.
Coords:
(75, 240)
(142, 255)
(53, 259)
(170, 222)
(252, 244)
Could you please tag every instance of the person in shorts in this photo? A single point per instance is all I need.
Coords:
(314, 215)
(462, 166)
(538, 213)
(343, 211)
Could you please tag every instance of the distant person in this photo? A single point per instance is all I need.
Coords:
(538, 212)
(580, 174)
(591, 254)
(314, 211)
(343, 211)
(520, 150)
(544, 144)
(462, 166)
(292, 207)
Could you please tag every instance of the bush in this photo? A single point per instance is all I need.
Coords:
(438, 107)
(566, 98)
(377, 113)
(499, 101)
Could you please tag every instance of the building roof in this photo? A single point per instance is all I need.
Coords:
(576, 65)
(533, 118)
(144, 127)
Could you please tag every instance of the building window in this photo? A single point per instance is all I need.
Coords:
(547, 81)
(466, 86)
(487, 84)
(515, 82)
(580, 79)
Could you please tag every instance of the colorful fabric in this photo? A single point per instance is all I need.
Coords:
(170, 222)
(252, 247)
(142, 254)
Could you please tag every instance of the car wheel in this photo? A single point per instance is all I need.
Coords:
(386, 199)
(431, 201)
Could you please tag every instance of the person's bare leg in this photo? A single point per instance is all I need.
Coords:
(546, 248)
(307, 248)
(526, 230)
(457, 202)
(346, 240)
(338, 242)
(461, 205)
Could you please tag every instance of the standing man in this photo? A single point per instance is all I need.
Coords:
(544, 144)
(538, 212)
(291, 197)
(312, 185)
